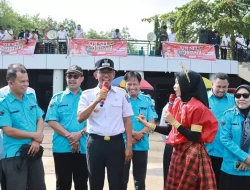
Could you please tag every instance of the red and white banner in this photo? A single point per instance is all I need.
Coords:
(188, 51)
(17, 47)
(84, 47)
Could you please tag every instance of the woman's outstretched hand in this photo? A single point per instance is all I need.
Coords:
(141, 118)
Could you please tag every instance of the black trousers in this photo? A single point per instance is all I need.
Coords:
(234, 182)
(105, 153)
(62, 47)
(216, 165)
(24, 174)
(68, 165)
(217, 53)
(159, 50)
(166, 160)
(240, 55)
(2, 178)
(140, 161)
(223, 53)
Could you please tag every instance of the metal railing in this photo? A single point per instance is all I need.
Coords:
(135, 47)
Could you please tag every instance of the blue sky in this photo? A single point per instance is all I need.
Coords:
(101, 14)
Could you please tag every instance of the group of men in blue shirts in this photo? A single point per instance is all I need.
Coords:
(22, 124)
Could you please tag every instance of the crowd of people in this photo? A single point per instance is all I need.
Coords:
(45, 43)
(239, 47)
(206, 133)
(236, 44)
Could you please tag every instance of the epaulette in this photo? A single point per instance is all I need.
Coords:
(230, 110)
(57, 94)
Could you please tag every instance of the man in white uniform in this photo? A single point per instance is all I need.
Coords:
(106, 122)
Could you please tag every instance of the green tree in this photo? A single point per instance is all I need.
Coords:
(93, 34)
(221, 15)
(157, 31)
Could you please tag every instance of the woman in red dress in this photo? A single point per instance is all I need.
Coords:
(191, 124)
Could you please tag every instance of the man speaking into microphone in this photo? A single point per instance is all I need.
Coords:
(107, 111)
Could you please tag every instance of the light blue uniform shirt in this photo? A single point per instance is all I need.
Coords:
(1, 144)
(231, 138)
(20, 115)
(63, 109)
(4, 91)
(142, 104)
(218, 107)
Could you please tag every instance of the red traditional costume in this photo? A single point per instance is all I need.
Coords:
(190, 166)
(191, 125)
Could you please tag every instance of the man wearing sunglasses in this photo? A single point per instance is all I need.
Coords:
(69, 138)
(219, 102)
(106, 122)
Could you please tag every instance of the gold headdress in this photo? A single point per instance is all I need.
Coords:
(184, 69)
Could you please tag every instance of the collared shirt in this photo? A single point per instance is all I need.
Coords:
(1, 144)
(106, 120)
(218, 107)
(240, 42)
(231, 138)
(78, 33)
(6, 90)
(116, 35)
(63, 109)
(3, 92)
(172, 37)
(29, 37)
(8, 35)
(215, 40)
(142, 105)
(62, 35)
(226, 40)
(20, 115)
(163, 38)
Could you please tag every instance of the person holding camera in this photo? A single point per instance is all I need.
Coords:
(22, 124)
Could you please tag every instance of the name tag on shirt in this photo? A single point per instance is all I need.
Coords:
(15, 111)
(31, 107)
(64, 105)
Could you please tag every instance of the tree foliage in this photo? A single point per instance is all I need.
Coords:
(222, 15)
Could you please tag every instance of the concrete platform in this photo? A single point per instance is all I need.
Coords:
(154, 173)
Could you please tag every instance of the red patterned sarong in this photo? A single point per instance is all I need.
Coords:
(190, 168)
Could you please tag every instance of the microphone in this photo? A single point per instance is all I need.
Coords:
(105, 88)
(171, 103)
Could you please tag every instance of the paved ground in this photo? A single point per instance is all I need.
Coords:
(154, 173)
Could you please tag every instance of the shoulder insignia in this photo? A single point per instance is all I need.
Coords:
(33, 106)
(2, 113)
(222, 123)
(127, 98)
(153, 108)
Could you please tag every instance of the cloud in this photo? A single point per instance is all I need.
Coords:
(101, 15)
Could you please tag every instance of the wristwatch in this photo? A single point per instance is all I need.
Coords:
(83, 132)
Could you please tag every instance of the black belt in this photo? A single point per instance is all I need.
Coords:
(106, 138)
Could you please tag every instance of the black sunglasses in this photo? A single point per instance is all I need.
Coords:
(75, 76)
(245, 96)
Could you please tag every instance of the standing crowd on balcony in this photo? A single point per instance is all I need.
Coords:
(239, 47)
